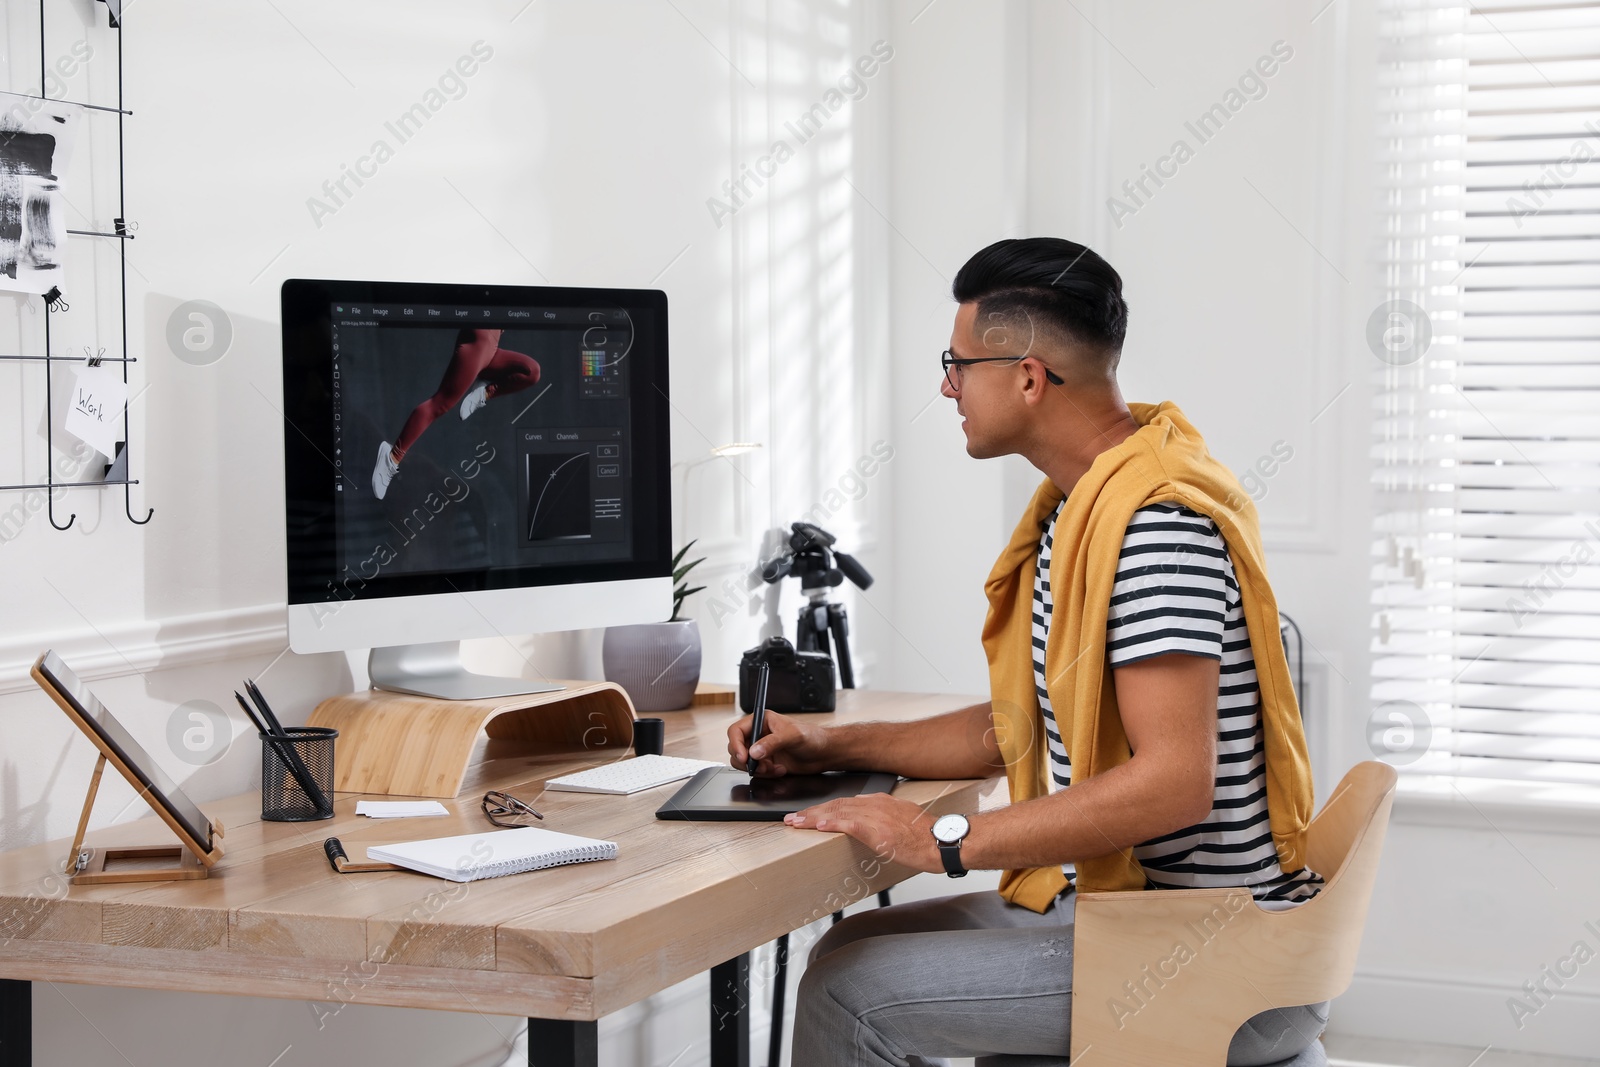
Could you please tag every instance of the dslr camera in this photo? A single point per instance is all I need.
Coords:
(797, 681)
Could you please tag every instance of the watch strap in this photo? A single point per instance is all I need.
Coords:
(950, 855)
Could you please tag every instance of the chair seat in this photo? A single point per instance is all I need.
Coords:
(1313, 1056)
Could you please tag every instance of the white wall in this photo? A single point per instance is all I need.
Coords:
(960, 149)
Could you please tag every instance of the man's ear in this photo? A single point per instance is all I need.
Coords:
(1035, 386)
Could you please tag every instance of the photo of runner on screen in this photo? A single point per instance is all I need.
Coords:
(479, 370)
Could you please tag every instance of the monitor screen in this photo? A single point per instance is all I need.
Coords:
(446, 439)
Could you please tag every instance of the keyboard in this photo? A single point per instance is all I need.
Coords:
(631, 775)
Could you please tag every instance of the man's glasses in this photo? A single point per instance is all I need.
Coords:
(500, 806)
(952, 365)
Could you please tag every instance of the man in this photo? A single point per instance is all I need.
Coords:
(1140, 703)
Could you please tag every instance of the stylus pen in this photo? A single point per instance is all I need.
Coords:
(286, 750)
(266, 709)
(278, 740)
(759, 716)
(250, 713)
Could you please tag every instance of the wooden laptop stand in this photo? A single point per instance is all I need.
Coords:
(89, 865)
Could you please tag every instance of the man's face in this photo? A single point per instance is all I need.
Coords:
(987, 399)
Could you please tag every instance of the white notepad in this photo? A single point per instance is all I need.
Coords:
(469, 857)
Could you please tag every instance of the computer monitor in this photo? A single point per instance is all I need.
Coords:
(465, 461)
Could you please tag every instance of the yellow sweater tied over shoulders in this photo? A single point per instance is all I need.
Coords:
(1164, 461)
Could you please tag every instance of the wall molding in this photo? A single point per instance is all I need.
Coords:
(1419, 1006)
(140, 646)
(143, 645)
(1312, 531)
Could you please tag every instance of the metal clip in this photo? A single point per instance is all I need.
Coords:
(54, 301)
(94, 357)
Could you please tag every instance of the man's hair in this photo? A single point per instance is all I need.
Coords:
(1052, 283)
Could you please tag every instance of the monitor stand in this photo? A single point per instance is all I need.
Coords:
(395, 744)
(435, 670)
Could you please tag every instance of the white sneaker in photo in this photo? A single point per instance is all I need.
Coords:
(384, 471)
(476, 397)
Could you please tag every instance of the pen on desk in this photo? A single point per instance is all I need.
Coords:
(759, 714)
(344, 865)
(284, 747)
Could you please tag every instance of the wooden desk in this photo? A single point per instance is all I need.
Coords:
(562, 946)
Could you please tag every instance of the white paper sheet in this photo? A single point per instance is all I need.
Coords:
(36, 139)
(399, 809)
(94, 410)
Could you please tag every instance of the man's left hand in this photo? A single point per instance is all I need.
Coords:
(897, 831)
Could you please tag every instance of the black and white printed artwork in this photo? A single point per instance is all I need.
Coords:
(36, 138)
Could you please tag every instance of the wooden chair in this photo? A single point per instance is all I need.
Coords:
(1141, 1000)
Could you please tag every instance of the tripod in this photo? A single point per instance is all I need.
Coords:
(822, 625)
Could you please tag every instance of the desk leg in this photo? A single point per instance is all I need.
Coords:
(730, 1012)
(780, 971)
(16, 1023)
(561, 1043)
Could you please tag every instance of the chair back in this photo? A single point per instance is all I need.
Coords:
(1163, 978)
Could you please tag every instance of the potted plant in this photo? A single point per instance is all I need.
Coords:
(658, 663)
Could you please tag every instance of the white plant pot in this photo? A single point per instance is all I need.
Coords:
(658, 663)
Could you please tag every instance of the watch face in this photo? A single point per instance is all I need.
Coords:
(950, 828)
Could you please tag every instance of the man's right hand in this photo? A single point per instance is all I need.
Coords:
(785, 747)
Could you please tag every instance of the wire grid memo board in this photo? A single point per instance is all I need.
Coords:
(72, 321)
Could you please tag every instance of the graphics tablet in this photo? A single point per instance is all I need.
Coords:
(723, 794)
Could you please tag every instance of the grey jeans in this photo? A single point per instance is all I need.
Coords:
(973, 975)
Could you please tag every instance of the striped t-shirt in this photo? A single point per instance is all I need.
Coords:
(1175, 592)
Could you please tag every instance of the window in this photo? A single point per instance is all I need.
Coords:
(1486, 452)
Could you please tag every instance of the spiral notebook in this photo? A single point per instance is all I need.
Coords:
(468, 857)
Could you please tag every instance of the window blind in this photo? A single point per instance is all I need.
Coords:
(1486, 448)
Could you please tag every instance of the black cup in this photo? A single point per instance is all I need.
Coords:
(649, 737)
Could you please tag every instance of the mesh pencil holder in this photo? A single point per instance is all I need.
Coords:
(288, 765)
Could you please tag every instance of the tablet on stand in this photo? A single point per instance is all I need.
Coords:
(201, 838)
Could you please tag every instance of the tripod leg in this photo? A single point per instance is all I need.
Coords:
(839, 623)
(805, 631)
(811, 630)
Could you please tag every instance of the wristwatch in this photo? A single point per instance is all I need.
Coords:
(948, 832)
